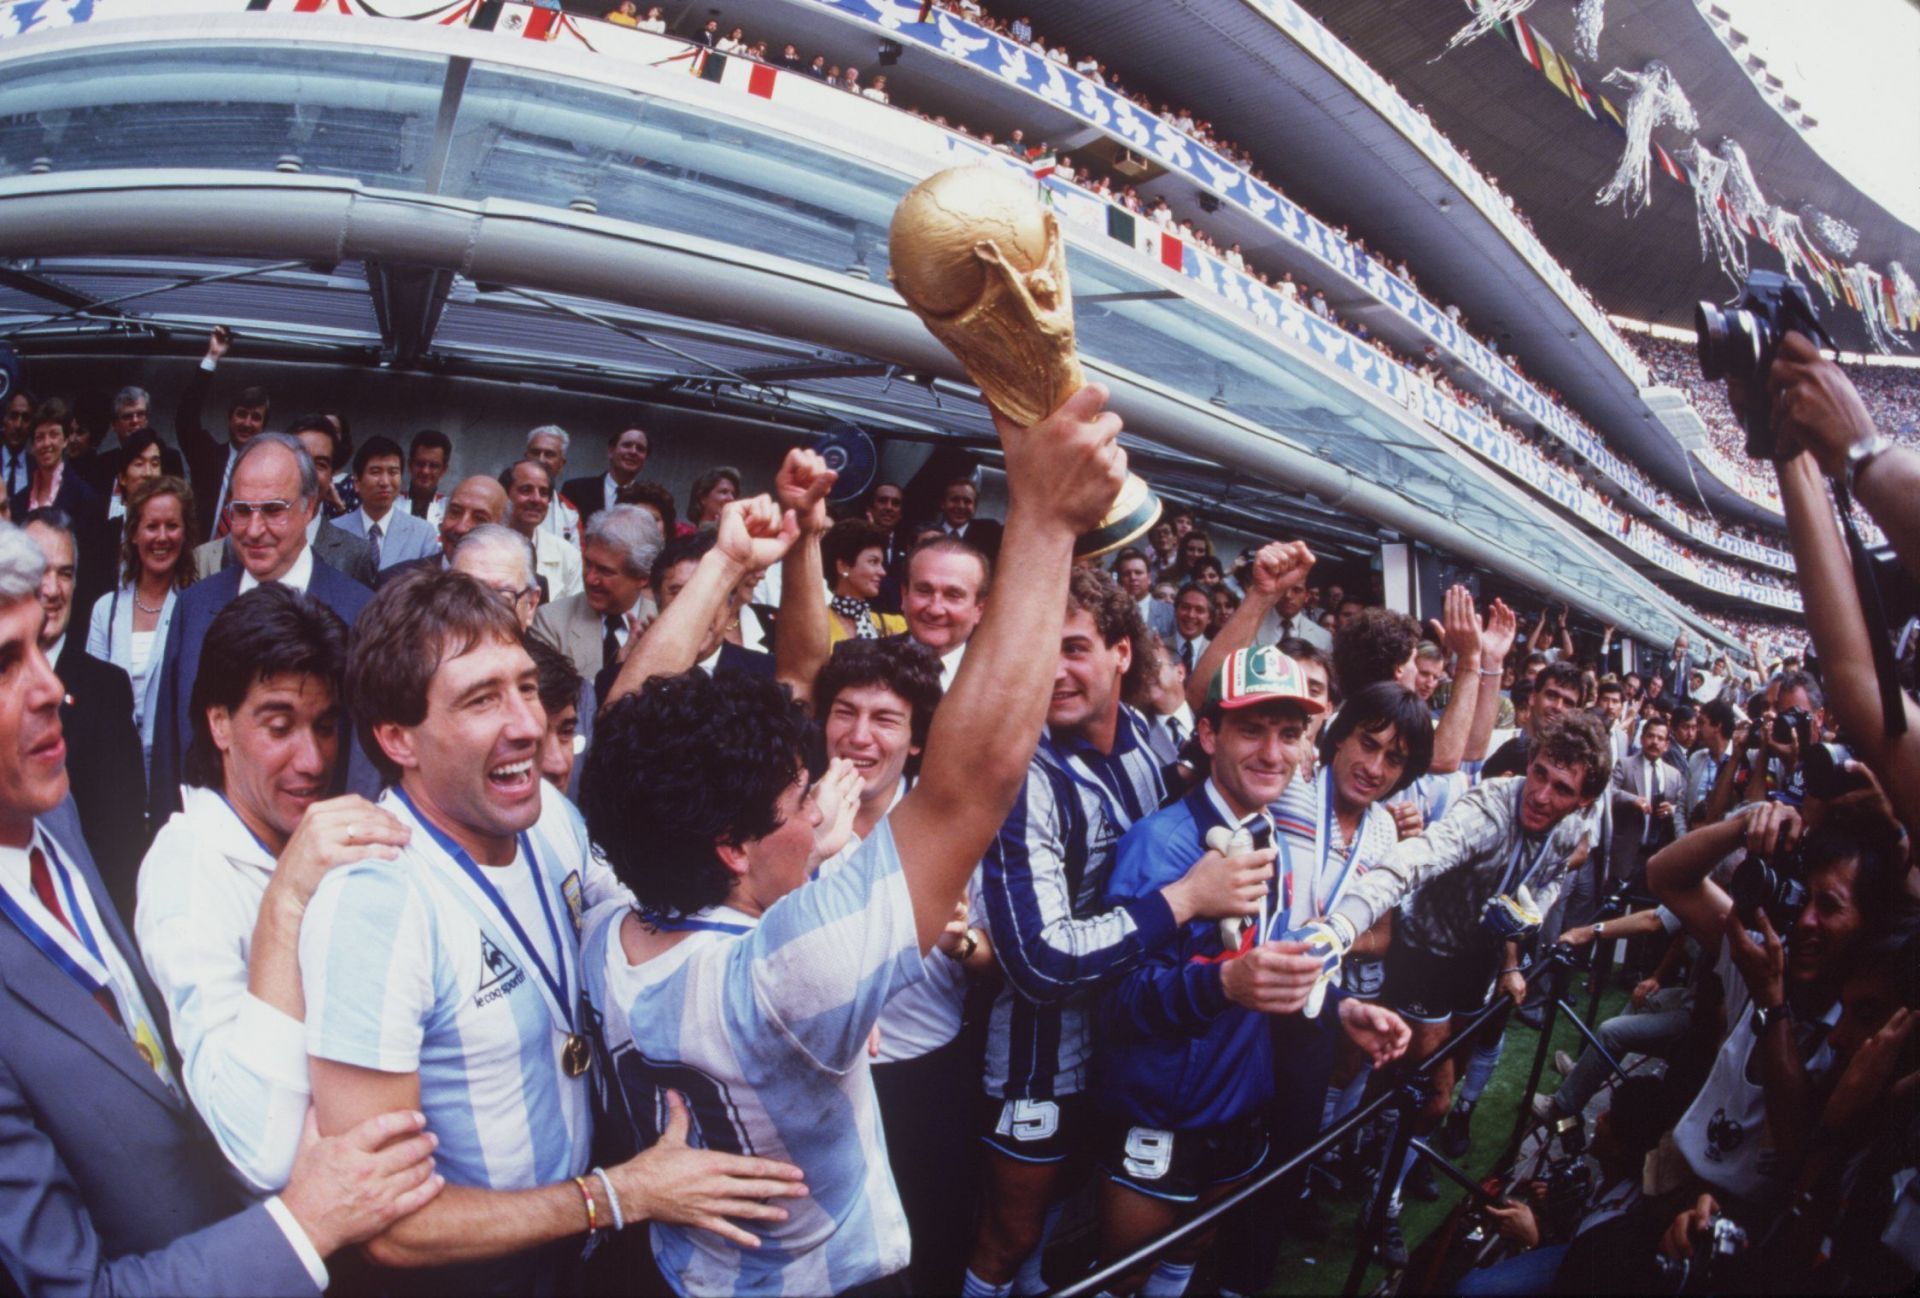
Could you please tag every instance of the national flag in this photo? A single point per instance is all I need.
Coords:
(1044, 163)
(1122, 226)
(708, 65)
(1578, 88)
(1549, 62)
(1525, 41)
(760, 81)
(1170, 253)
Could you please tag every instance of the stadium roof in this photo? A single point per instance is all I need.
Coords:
(1552, 158)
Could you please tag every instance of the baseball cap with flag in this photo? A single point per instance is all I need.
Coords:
(1261, 675)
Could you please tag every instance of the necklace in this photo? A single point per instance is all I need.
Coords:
(147, 608)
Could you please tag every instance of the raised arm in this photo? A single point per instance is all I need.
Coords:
(1679, 873)
(1840, 635)
(752, 534)
(1062, 476)
(802, 640)
(1278, 567)
(198, 446)
(1460, 634)
(1447, 844)
(1496, 638)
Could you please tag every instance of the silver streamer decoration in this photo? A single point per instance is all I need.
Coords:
(1872, 293)
(1750, 206)
(1587, 22)
(1789, 238)
(1906, 298)
(1654, 98)
(1717, 229)
(1835, 235)
(1491, 14)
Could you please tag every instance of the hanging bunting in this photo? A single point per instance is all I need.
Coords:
(1869, 298)
(1835, 235)
(1906, 297)
(1786, 234)
(1587, 22)
(1654, 99)
(1717, 229)
(1490, 15)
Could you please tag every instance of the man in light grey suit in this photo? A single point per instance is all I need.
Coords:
(112, 1183)
(392, 536)
(593, 627)
(1133, 575)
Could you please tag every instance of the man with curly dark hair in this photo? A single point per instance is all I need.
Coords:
(736, 980)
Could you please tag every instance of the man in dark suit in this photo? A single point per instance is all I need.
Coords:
(275, 491)
(210, 460)
(103, 747)
(957, 503)
(627, 452)
(112, 1183)
(132, 408)
(1649, 804)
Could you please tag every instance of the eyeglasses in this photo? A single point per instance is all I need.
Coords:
(272, 512)
(514, 596)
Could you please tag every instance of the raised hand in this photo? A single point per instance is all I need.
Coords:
(1497, 637)
(673, 1182)
(837, 796)
(1069, 466)
(801, 487)
(219, 342)
(1460, 629)
(346, 1189)
(1763, 964)
(756, 533)
(1280, 566)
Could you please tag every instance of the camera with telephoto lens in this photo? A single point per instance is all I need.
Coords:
(1740, 342)
(1568, 1179)
(1723, 1240)
(1794, 723)
(1770, 887)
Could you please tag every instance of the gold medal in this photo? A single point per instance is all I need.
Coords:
(576, 1057)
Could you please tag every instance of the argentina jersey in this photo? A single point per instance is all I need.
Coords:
(1041, 886)
(762, 1025)
(408, 969)
(1319, 872)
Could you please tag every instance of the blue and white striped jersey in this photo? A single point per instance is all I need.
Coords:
(761, 1025)
(1302, 815)
(1042, 885)
(407, 968)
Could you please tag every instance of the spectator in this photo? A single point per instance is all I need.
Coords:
(128, 626)
(500, 559)
(548, 444)
(854, 555)
(209, 461)
(529, 489)
(392, 535)
(627, 452)
(593, 627)
(710, 493)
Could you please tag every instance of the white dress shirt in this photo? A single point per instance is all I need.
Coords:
(298, 577)
(558, 562)
(200, 889)
(1275, 628)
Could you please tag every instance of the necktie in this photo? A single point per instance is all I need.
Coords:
(373, 543)
(1653, 798)
(1286, 628)
(1173, 733)
(1186, 654)
(610, 644)
(42, 879)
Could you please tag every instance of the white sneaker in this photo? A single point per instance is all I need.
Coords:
(1543, 1109)
(1563, 1063)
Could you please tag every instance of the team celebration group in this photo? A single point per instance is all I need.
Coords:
(524, 884)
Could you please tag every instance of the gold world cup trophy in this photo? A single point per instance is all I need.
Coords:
(983, 265)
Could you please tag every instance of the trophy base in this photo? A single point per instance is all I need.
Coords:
(1134, 512)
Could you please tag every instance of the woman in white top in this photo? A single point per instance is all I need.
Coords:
(129, 624)
(142, 463)
(735, 42)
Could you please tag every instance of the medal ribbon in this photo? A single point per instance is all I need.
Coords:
(558, 1001)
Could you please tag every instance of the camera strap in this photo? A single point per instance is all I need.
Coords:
(1893, 711)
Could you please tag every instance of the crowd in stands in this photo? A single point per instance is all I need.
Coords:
(1716, 539)
(469, 871)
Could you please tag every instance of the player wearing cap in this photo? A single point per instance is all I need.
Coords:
(1186, 1066)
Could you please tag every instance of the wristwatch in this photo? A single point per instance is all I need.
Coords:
(1862, 453)
(1599, 930)
(1766, 1018)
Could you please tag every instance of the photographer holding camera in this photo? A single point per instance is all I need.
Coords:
(1803, 412)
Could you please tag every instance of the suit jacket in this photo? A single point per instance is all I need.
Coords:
(1628, 853)
(112, 1182)
(1158, 615)
(205, 454)
(403, 537)
(983, 534)
(575, 630)
(332, 545)
(95, 539)
(108, 775)
(172, 728)
(589, 495)
(106, 464)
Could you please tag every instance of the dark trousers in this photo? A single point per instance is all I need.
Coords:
(927, 1111)
(1249, 1238)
